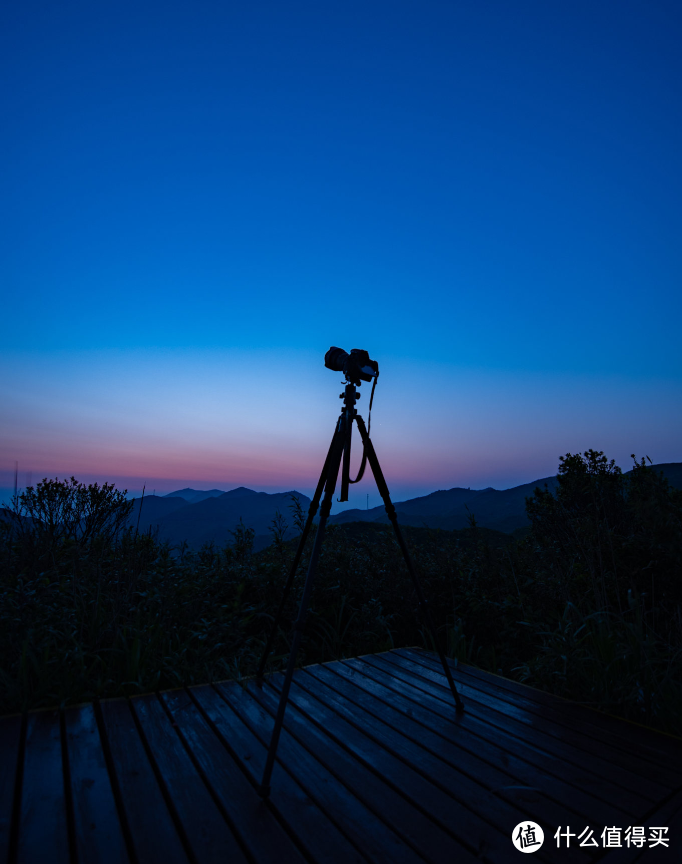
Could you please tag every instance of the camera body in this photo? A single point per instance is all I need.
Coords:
(356, 366)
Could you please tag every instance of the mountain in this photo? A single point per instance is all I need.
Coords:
(198, 517)
(500, 510)
(154, 508)
(243, 492)
(214, 518)
(193, 496)
(428, 506)
(672, 471)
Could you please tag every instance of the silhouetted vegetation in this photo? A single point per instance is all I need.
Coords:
(586, 604)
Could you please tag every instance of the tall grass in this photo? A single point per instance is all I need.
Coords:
(84, 615)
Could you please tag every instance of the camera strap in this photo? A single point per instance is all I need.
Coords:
(363, 464)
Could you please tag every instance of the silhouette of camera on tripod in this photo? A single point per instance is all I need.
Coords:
(357, 367)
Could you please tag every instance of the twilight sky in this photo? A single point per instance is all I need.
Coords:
(198, 199)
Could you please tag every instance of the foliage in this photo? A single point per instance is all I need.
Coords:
(609, 546)
(586, 604)
(59, 518)
(610, 533)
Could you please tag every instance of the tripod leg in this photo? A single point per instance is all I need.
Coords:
(332, 474)
(312, 512)
(390, 511)
(345, 471)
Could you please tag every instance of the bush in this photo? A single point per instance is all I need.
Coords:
(65, 518)
(610, 534)
(610, 547)
(587, 605)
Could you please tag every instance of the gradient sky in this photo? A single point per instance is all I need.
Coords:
(198, 199)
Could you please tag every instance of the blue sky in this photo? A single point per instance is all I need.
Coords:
(485, 195)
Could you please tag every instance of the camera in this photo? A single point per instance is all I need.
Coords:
(356, 366)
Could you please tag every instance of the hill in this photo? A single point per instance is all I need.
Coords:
(213, 518)
(153, 511)
(199, 516)
(194, 496)
(672, 471)
(499, 510)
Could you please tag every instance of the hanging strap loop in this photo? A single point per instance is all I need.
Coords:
(363, 464)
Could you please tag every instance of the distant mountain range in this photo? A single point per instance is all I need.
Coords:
(199, 517)
(450, 509)
(501, 510)
(191, 496)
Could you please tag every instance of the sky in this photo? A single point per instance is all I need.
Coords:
(198, 199)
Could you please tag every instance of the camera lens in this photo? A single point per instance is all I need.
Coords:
(335, 359)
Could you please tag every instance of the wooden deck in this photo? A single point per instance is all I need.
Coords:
(373, 765)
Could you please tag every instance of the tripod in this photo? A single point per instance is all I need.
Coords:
(339, 448)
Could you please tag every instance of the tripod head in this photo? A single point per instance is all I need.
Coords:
(350, 396)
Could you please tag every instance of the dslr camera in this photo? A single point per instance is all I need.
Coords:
(356, 366)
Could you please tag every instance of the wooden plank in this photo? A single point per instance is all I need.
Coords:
(522, 777)
(656, 747)
(568, 744)
(260, 833)
(377, 840)
(566, 719)
(209, 836)
(43, 831)
(475, 783)
(333, 825)
(425, 836)
(97, 828)
(439, 707)
(152, 830)
(477, 819)
(497, 782)
(373, 765)
(10, 741)
(564, 714)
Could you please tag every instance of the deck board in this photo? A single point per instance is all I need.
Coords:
(98, 834)
(293, 807)
(140, 793)
(415, 827)
(426, 782)
(658, 749)
(521, 763)
(663, 765)
(443, 762)
(43, 826)
(10, 749)
(374, 765)
(207, 833)
(490, 721)
(337, 823)
(570, 743)
(260, 832)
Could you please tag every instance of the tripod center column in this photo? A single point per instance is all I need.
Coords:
(350, 397)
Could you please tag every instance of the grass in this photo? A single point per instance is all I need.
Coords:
(111, 612)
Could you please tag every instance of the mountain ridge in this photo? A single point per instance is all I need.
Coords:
(212, 516)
